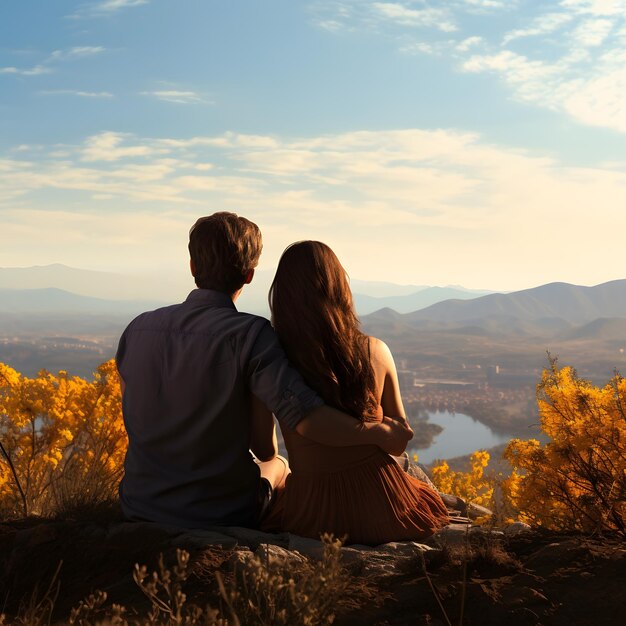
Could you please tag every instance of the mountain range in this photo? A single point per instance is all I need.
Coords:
(560, 309)
(426, 296)
(58, 301)
(28, 289)
(158, 287)
(552, 309)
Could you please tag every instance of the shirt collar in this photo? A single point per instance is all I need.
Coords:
(210, 297)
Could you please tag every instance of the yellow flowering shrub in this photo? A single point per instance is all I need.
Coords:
(475, 485)
(577, 481)
(62, 440)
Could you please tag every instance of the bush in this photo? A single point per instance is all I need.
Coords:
(62, 440)
(475, 485)
(577, 481)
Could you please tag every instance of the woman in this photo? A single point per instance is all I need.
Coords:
(359, 491)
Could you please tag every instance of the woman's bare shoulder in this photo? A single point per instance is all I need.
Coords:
(380, 351)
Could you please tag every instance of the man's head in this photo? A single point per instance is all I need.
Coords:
(224, 248)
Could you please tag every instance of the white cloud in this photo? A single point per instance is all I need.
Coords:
(32, 71)
(54, 57)
(107, 146)
(80, 94)
(468, 43)
(542, 25)
(104, 8)
(74, 53)
(420, 47)
(590, 91)
(414, 196)
(330, 25)
(116, 5)
(177, 96)
(352, 15)
(601, 101)
(405, 16)
(490, 4)
(529, 76)
(596, 7)
(579, 73)
(572, 65)
(592, 32)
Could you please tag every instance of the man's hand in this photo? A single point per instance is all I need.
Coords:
(392, 435)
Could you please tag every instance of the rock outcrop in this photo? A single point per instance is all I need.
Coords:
(514, 576)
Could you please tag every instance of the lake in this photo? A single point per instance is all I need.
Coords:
(461, 435)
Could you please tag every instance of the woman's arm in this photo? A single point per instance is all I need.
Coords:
(263, 442)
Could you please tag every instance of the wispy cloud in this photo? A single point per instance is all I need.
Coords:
(586, 80)
(105, 7)
(74, 53)
(349, 15)
(422, 187)
(595, 7)
(80, 94)
(469, 43)
(31, 71)
(116, 5)
(592, 32)
(574, 64)
(542, 25)
(405, 16)
(177, 96)
(490, 4)
(57, 56)
(108, 146)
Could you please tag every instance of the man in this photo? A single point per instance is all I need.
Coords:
(191, 374)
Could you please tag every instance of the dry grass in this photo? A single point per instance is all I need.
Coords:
(484, 555)
(261, 591)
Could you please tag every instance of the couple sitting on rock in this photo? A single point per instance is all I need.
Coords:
(201, 382)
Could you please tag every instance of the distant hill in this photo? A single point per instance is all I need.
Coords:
(173, 287)
(603, 328)
(571, 303)
(425, 297)
(56, 301)
(557, 310)
(106, 285)
(382, 289)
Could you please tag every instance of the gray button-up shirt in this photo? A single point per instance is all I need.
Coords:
(189, 370)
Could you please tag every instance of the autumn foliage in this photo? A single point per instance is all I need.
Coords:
(62, 445)
(577, 481)
(475, 485)
(62, 440)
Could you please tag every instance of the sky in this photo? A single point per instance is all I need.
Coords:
(471, 142)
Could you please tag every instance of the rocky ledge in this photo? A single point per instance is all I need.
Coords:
(515, 576)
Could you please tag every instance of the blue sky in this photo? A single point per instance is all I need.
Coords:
(474, 142)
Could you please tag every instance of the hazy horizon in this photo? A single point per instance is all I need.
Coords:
(263, 277)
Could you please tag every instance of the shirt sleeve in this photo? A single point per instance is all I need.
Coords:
(273, 380)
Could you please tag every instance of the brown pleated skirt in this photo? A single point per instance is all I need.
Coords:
(361, 494)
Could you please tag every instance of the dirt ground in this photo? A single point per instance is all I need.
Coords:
(533, 578)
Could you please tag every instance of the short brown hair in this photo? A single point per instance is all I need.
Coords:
(223, 248)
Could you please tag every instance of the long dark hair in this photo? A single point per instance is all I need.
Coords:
(314, 318)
